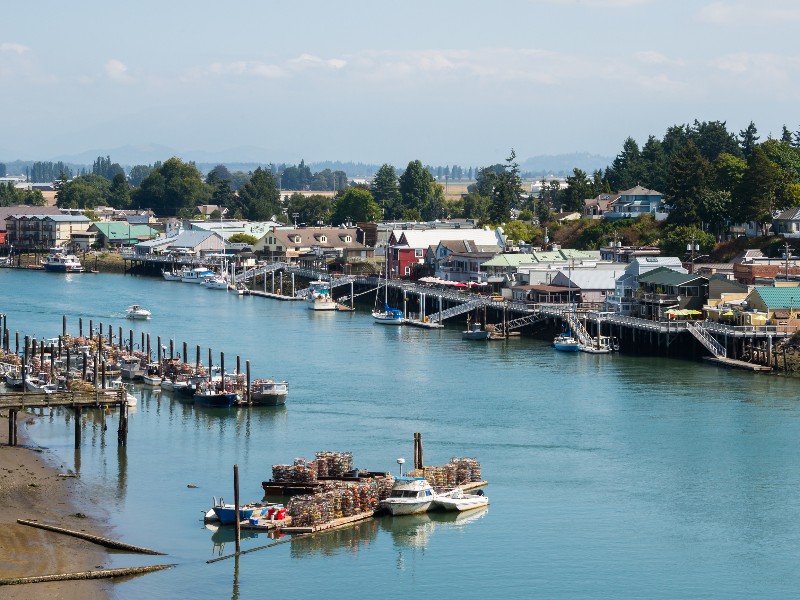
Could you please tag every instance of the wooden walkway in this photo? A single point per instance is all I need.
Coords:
(736, 364)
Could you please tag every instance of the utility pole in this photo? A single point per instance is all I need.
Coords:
(693, 246)
(786, 256)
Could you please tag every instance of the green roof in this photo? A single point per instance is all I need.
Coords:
(666, 276)
(779, 297)
(119, 230)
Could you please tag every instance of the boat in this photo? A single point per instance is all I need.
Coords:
(153, 375)
(474, 332)
(218, 282)
(409, 495)
(605, 345)
(14, 378)
(171, 275)
(226, 513)
(319, 296)
(60, 261)
(207, 395)
(130, 399)
(389, 315)
(564, 342)
(134, 311)
(176, 385)
(459, 501)
(196, 275)
(131, 368)
(266, 392)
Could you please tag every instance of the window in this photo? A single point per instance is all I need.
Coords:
(323, 239)
(418, 252)
(408, 270)
(348, 239)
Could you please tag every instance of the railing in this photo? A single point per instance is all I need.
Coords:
(255, 271)
(458, 310)
(704, 337)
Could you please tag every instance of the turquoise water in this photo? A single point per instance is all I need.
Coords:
(610, 476)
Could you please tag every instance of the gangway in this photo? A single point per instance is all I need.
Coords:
(704, 337)
(255, 271)
(438, 317)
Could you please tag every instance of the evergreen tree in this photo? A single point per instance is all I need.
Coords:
(355, 205)
(415, 187)
(748, 139)
(2, 169)
(173, 188)
(627, 169)
(386, 191)
(578, 189)
(761, 190)
(712, 138)
(687, 179)
(506, 192)
(119, 195)
(261, 196)
(654, 165)
(786, 135)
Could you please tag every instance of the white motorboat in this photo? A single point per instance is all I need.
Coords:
(566, 343)
(60, 261)
(217, 282)
(153, 375)
(319, 296)
(14, 377)
(196, 275)
(130, 399)
(458, 500)
(410, 495)
(134, 311)
(171, 275)
(130, 367)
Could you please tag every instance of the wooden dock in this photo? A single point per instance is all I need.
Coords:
(274, 296)
(731, 363)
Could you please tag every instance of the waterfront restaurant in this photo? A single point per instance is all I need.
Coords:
(662, 289)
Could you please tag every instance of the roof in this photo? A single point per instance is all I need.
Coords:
(638, 190)
(59, 218)
(122, 231)
(592, 279)
(185, 239)
(643, 264)
(792, 214)
(6, 211)
(524, 258)
(778, 297)
(423, 239)
(667, 276)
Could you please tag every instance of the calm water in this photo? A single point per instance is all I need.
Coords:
(610, 476)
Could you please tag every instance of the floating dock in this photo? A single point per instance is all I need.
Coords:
(736, 364)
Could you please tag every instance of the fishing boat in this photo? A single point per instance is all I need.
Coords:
(603, 345)
(117, 384)
(60, 261)
(410, 495)
(458, 500)
(131, 367)
(266, 392)
(196, 275)
(319, 296)
(208, 395)
(134, 311)
(218, 282)
(389, 315)
(174, 385)
(474, 332)
(565, 342)
(14, 377)
(153, 375)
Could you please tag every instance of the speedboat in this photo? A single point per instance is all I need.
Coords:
(217, 282)
(564, 342)
(134, 311)
(410, 495)
(266, 392)
(458, 500)
(319, 296)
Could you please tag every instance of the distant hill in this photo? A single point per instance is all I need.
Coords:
(563, 164)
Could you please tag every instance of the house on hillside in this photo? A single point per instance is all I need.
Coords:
(40, 232)
(636, 202)
(787, 223)
(595, 208)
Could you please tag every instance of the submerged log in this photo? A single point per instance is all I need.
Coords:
(83, 575)
(108, 543)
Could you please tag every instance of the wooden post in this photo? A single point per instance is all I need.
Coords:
(184, 356)
(83, 369)
(209, 364)
(141, 347)
(197, 360)
(12, 427)
(64, 325)
(52, 362)
(238, 365)
(16, 349)
(158, 349)
(236, 507)
(120, 341)
(95, 372)
(247, 366)
(103, 384)
(130, 342)
(222, 370)
(122, 430)
(148, 348)
(77, 427)
(80, 327)
(111, 335)
(171, 349)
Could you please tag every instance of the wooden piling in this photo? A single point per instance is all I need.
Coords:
(184, 356)
(77, 427)
(197, 360)
(64, 325)
(94, 372)
(122, 431)
(91, 329)
(95, 539)
(222, 370)
(130, 342)
(80, 326)
(249, 398)
(236, 507)
(148, 348)
(158, 349)
(12, 427)
(120, 340)
(103, 383)
(209, 363)
(171, 349)
(84, 575)
(83, 368)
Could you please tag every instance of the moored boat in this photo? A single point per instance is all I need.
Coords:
(458, 500)
(208, 395)
(409, 495)
(131, 368)
(319, 296)
(196, 275)
(153, 375)
(218, 282)
(564, 342)
(60, 261)
(171, 275)
(474, 332)
(14, 378)
(226, 513)
(266, 392)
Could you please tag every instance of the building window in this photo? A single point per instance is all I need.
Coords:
(408, 270)
(418, 252)
(323, 239)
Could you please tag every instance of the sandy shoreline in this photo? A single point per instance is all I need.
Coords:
(30, 488)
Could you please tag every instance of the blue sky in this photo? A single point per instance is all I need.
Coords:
(446, 82)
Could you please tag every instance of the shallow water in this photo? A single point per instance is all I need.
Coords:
(610, 476)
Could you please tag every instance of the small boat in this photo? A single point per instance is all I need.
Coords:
(226, 513)
(564, 342)
(605, 345)
(217, 282)
(458, 500)
(153, 375)
(319, 296)
(196, 275)
(175, 385)
(266, 392)
(130, 399)
(409, 495)
(134, 311)
(206, 395)
(171, 275)
(60, 261)
(389, 315)
(14, 378)
(131, 368)
(474, 332)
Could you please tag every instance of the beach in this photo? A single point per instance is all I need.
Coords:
(30, 488)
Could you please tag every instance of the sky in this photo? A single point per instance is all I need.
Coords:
(446, 82)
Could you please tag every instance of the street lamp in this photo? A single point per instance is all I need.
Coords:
(693, 247)
(295, 215)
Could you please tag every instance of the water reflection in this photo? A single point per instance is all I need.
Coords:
(222, 534)
(416, 530)
(329, 543)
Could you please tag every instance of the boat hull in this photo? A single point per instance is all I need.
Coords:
(384, 319)
(470, 502)
(221, 400)
(400, 507)
(227, 513)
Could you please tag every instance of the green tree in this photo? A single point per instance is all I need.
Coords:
(386, 191)
(518, 231)
(687, 178)
(242, 238)
(476, 207)
(84, 191)
(260, 196)
(714, 208)
(296, 178)
(627, 169)
(578, 189)
(119, 194)
(748, 139)
(173, 187)
(785, 156)
(435, 209)
(763, 190)
(727, 172)
(712, 138)
(415, 188)
(506, 191)
(676, 238)
(9, 195)
(355, 205)
(654, 166)
(138, 174)
(105, 168)
(313, 208)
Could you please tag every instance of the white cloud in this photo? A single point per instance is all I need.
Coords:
(309, 60)
(13, 47)
(118, 71)
(746, 13)
(652, 57)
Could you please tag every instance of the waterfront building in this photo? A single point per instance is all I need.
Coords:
(290, 244)
(622, 301)
(779, 305)
(185, 243)
(662, 289)
(117, 234)
(42, 231)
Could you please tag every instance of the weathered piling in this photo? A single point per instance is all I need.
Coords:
(236, 507)
(84, 575)
(249, 398)
(77, 427)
